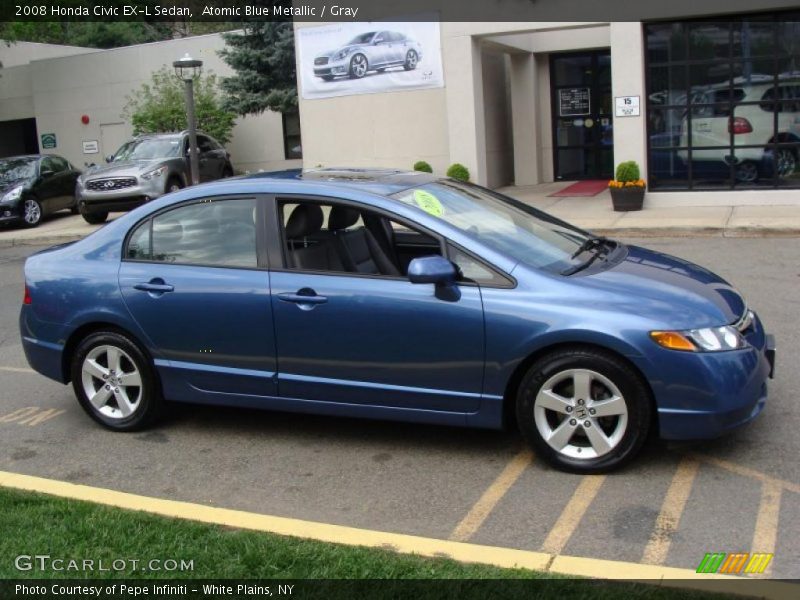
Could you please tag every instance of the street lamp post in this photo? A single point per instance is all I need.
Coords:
(188, 69)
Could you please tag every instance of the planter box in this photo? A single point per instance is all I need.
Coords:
(627, 198)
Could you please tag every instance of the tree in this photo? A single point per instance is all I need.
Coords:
(263, 58)
(159, 106)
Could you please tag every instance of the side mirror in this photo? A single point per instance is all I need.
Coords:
(439, 271)
(109, 158)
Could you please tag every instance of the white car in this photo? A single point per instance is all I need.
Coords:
(750, 124)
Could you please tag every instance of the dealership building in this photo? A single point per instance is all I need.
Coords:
(708, 103)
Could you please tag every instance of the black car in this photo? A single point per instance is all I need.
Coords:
(34, 186)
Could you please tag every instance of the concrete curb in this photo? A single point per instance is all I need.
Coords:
(45, 240)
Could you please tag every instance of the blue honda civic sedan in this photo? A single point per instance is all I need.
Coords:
(394, 295)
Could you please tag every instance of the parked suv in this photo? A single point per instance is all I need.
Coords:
(750, 125)
(144, 168)
(371, 51)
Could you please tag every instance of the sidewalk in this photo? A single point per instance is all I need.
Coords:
(594, 213)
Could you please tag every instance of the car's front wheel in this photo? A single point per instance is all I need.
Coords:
(31, 212)
(412, 58)
(173, 185)
(358, 66)
(94, 218)
(114, 382)
(583, 410)
(786, 162)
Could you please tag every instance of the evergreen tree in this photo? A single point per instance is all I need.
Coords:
(263, 58)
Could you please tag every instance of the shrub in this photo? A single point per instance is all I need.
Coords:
(458, 171)
(628, 171)
(421, 165)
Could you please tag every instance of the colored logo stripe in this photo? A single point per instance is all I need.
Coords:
(721, 562)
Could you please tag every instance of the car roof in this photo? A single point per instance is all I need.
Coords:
(378, 181)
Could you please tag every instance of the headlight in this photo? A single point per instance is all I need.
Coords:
(159, 172)
(341, 54)
(13, 194)
(708, 339)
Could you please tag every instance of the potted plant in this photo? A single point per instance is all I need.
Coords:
(627, 188)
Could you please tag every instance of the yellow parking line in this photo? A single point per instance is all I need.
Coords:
(486, 503)
(766, 532)
(655, 553)
(572, 514)
(748, 472)
(17, 370)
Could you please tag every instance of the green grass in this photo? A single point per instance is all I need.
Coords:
(34, 524)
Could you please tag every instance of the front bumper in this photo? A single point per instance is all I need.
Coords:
(122, 199)
(332, 68)
(10, 213)
(705, 395)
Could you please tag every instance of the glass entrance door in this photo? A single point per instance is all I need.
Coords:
(582, 108)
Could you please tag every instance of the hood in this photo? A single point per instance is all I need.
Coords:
(6, 186)
(676, 292)
(123, 169)
(330, 53)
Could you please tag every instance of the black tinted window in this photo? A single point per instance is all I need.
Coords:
(221, 233)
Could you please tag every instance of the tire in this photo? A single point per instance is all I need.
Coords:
(31, 212)
(412, 60)
(94, 218)
(746, 172)
(227, 172)
(552, 417)
(786, 162)
(173, 185)
(135, 402)
(359, 65)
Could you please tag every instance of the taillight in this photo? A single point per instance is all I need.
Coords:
(739, 125)
(27, 299)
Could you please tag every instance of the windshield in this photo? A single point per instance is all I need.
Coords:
(504, 224)
(17, 168)
(149, 149)
(364, 38)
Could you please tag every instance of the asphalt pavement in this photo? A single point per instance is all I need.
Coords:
(671, 506)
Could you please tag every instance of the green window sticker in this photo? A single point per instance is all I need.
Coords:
(428, 202)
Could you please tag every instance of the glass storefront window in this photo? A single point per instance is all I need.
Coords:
(723, 102)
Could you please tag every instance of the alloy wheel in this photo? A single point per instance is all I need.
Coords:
(746, 172)
(111, 381)
(359, 65)
(580, 414)
(32, 212)
(411, 60)
(786, 162)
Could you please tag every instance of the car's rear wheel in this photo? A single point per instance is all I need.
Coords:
(358, 66)
(94, 218)
(746, 172)
(114, 382)
(31, 212)
(411, 60)
(583, 410)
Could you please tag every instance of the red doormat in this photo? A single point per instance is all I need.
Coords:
(589, 187)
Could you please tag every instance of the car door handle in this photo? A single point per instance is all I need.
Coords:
(154, 286)
(304, 296)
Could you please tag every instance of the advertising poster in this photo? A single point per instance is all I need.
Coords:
(343, 59)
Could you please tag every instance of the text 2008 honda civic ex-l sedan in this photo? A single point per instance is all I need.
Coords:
(394, 295)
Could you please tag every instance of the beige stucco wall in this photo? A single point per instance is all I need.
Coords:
(58, 91)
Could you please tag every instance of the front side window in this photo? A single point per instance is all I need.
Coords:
(212, 233)
(521, 232)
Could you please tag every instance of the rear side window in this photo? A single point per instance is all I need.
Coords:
(789, 96)
(212, 233)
